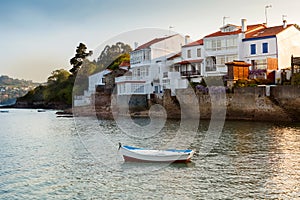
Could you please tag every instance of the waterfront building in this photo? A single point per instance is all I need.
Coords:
(192, 66)
(171, 62)
(95, 80)
(264, 48)
(149, 66)
(271, 49)
(226, 45)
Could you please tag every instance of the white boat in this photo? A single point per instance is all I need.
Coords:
(134, 154)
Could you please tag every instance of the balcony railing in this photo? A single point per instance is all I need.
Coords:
(190, 73)
(129, 78)
(210, 68)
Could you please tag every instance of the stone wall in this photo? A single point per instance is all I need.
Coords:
(288, 98)
(248, 103)
(251, 103)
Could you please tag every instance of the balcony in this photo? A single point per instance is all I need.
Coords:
(129, 78)
(210, 68)
(190, 73)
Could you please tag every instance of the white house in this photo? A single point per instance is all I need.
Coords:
(192, 65)
(225, 46)
(149, 66)
(172, 78)
(271, 48)
(94, 81)
(97, 79)
(263, 47)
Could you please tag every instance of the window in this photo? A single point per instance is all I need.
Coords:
(253, 49)
(221, 44)
(221, 60)
(265, 47)
(189, 53)
(137, 88)
(259, 64)
(198, 52)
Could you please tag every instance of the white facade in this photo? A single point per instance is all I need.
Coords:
(192, 64)
(97, 79)
(148, 66)
(264, 48)
(222, 47)
(171, 75)
(288, 42)
(94, 80)
(281, 44)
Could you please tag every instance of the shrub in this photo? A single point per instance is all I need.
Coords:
(296, 79)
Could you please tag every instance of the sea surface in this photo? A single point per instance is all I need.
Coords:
(44, 156)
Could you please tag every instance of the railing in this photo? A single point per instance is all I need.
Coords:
(129, 78)
(210, 68)
(190, 73)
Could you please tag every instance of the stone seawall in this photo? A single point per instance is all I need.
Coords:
(248, 103)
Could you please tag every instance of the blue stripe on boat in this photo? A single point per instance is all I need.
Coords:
(183, 151)
(172, 150)
(131, 148)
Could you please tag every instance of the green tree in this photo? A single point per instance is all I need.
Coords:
(111, 53)
(58, 76)
(115, 64)
(79, 57)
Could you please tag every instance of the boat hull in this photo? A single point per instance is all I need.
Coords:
(166, 156)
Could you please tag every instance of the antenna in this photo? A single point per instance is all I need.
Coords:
(170, 29)
(224, 18)
(266, 13)
(284, 17)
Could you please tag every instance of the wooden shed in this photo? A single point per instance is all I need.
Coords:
(238, 70)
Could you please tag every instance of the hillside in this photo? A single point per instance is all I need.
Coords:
(11, 89)
(62, 85)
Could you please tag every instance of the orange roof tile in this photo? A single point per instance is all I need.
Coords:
(148, 44)
(125, 64)
(184, 62)
(268, 31)
(195, 43)
(174, 56)
(250, 28)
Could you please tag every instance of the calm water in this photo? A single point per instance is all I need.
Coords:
(46, 157)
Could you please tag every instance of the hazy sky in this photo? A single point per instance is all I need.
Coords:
(39, 36)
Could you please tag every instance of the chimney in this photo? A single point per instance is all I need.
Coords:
(136, 45)
(187, 39)
(284, 23)
(244, 25)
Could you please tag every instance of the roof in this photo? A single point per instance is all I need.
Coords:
(148, 44)
(125, 64)
(184, 62)
(238, 63)
(250, 29)
(103, 72)
(195, 43)
(266, 32)
(174, 56)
